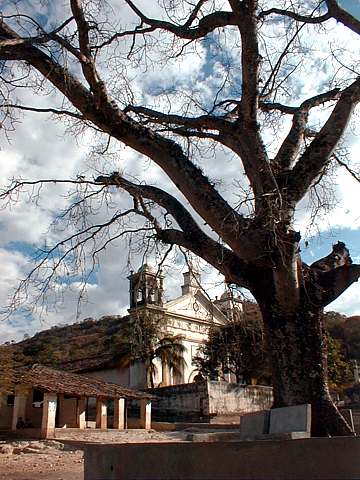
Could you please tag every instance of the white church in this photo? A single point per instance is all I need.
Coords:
(190, 315)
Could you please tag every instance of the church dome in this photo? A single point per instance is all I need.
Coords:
(226, 295)
(230, 297)
(146, 268)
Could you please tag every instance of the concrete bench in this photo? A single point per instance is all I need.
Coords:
(278, 423)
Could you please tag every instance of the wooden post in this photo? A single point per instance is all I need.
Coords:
(19, 409)
(48, 415)
(101, 413)
(145, 413)
(81, 420)
(119, 413)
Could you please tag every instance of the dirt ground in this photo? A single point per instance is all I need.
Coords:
(35, 460)
(61, 459)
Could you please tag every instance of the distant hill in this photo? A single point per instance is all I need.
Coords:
(94, 343)
(72, 347)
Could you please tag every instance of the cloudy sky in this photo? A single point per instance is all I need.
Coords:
(42, 148)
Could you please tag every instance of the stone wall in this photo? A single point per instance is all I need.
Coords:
(205, 400)
(188, 401)
(231, 398)
(355, 409)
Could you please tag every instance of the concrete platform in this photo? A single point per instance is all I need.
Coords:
(311, 459)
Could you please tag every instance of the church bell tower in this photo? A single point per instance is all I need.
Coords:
(146, 287)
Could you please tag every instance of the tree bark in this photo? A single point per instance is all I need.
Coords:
(299, 359)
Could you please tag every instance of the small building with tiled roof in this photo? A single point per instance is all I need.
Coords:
(46, 398)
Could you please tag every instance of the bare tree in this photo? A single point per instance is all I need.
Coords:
(85, 58)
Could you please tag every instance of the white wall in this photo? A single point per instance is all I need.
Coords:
(119, 376)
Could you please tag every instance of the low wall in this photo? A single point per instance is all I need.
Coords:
(231, 398)
(356, 418)
(205, 400)
(310, 459)
(188, 401)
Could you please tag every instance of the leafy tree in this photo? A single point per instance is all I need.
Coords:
(352, 337)
(345, 330)
(248, 103)
(339, 368)
(11, 361)
(43, 351)
(334, 323)
(238, 348)
(7, 369)
(144, 339)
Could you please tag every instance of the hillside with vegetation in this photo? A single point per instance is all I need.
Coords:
(92, 343)
(87, 342)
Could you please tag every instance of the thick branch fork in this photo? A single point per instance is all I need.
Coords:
(327, 278)
(318, 154)
(333, 283)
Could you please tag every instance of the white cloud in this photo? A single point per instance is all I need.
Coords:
(348, 303)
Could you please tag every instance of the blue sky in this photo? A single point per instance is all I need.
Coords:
(41, 148)
(353, 6)
(320, 245)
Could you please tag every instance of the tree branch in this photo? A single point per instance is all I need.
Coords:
(318, 154)
(327, 278)
(270, 106)
(44, 110)
(137, 31)
(44, 37)
(295, 16)
(334, 282)
(334, 11)
(201, 122)
(343, 16)
(41, 39)
(291, 145)
(206, 24)
(354, 174)
(97, 86)
(254, 155)
(221, 258)
(191, 236)
(188, 178)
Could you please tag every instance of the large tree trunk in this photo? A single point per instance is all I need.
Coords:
(298, 358)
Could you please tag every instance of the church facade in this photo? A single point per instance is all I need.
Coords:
(189, 316)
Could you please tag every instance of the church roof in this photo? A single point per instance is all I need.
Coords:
(57, 381)
(195, 306)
